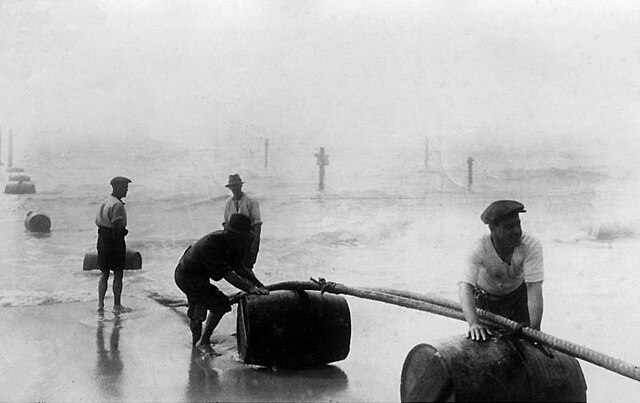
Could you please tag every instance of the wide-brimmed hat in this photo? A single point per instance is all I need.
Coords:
(240, 224)
(234, 180)
(119, 179)
(500, 209)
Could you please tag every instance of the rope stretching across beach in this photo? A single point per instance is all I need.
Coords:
(450, 309)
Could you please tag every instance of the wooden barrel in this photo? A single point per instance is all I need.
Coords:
(293, 329)
(37, 222)
(132, 260)
(19, 178)
(20, 188)
(502, 370)
(15, 169)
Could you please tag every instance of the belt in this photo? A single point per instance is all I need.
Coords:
(480, 293)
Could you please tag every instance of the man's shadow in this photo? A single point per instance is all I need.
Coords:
(109, 365)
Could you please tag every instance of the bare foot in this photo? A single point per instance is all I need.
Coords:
(120, 309)
(205, 340)
(207, 350)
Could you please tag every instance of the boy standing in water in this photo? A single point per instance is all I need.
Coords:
(505, 272)
(111, 220)
(215, 256)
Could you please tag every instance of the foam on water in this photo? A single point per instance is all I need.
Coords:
(383, 218)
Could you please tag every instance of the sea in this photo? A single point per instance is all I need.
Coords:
(393, 215)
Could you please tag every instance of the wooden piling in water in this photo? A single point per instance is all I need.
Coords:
(322, 161)
(469, 173)
(10, 156)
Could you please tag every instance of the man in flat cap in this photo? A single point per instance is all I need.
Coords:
(111, 220)
(505, 272)
(243, 203)
(215, 256)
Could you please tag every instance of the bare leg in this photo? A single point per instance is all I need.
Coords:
(102, 288)
(212, 321)
(196, 330)
(117, 288)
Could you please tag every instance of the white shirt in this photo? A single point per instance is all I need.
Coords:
(487, 271)
(247, 205)
(111, 210)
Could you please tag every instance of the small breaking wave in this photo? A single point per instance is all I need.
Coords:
(611, 231)
(15, 298)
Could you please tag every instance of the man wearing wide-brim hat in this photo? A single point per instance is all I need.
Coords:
(244, 203)
(505, 272)
(215, 256)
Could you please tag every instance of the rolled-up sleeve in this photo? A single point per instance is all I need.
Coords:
(533, 264)
(254, 209)
(470, 271)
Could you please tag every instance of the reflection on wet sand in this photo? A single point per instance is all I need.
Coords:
(202, 384)
(310, 384)
(109, 365)
(218, 377)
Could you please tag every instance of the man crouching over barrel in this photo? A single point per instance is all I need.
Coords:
(505, 272)
(215, 256)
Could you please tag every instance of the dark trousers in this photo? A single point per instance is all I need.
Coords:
(512, 306)
(111, 250)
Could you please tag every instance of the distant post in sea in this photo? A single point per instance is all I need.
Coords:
(10, 158)
(470, 172)
(323, 160)
(426, 152)
(266, 152)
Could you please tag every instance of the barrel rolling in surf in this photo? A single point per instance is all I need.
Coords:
(37, 222)
(293, 329)
(499, 370)
(132, 261)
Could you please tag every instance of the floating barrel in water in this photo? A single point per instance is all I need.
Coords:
(499, 370)
(37, 222)
(293, 329)
(132, 260)
(20, 188)
(19, 178)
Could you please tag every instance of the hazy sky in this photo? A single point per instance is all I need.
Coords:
(465, 73)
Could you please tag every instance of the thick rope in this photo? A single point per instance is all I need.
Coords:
(582, 352)
(451, 309)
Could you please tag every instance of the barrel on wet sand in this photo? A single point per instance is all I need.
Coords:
(132, 260)
(506, 369)
(19, 188)
(37, 222)
(293, 329)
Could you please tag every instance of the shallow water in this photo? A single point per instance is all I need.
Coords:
(392, 225)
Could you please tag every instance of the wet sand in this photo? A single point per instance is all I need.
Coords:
(69, 352)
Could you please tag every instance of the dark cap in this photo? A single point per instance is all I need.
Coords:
(234, 180)
(499, 209)
(119, 179)
(239, 223)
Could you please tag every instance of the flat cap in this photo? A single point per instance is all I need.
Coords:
(499, 209)
(120, 179)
